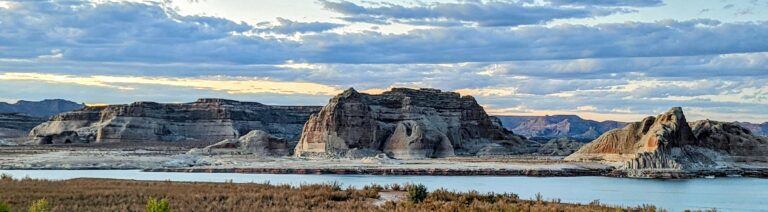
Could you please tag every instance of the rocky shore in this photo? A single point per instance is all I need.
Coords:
(400, 171)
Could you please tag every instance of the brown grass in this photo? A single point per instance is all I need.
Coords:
(127, 195)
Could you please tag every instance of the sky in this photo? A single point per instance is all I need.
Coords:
(600, 59)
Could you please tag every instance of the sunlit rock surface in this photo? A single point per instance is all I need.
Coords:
(405, 123)
(669, 142)
(206, 120)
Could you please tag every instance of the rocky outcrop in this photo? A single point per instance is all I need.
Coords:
(206, 120)
(45, 108)
(668, 142)
(559, 147)
(256, 142)
(405, 123)
(558, 126)
(732, 139)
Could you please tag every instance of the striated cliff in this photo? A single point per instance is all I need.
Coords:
(669, 142)
(558, 126)
(406, 123)
(206, 120)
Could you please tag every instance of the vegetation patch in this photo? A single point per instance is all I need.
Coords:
(129, 195)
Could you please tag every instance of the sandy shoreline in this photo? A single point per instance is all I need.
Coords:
(160, 158)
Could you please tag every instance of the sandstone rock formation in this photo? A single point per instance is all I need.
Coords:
(668, 142)
(206, 120)
(256, 142)
(45, 108)
(404, 123)
(558, 126)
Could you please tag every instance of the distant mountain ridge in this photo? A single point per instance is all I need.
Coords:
(573, 126)
(757, 129)
(45, 108)
(558, 126)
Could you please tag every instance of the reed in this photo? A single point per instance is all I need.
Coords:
(129, 195)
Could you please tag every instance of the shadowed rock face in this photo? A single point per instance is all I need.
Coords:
(404, 123)
(206, 120)
(669, 142)
(256, 142)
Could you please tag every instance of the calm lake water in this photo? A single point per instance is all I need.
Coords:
(725, 194)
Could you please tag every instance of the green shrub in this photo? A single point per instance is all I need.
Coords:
(155, 205)
(40, 205)
(4, 207)
(417, 193)
(5, 176)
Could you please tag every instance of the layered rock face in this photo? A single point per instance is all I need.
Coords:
(668, 142)
(206, 120)
(256, 142)
(558, 126)
(405, 123)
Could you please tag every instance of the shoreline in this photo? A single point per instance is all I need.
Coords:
(397, 171)
(174, 159)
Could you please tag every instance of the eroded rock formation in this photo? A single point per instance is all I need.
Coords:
(669, 142)
(405, 123)
(256, 142)
(206, 120)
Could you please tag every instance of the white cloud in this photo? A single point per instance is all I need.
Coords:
(586, 108)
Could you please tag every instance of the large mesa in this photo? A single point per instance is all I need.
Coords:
(205, 120)
(405, 123)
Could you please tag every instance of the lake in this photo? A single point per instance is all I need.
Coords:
(724, 194)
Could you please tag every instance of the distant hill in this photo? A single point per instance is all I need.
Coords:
(573, 126)
(558, 126)
(45, 108)
(757, 129)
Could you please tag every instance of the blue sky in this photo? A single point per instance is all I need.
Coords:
(602, 59)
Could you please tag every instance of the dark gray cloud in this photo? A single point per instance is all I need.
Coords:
(630, 39)
(493, 13)
(151, 33)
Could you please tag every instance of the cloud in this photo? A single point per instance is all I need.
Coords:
(632, 3)
(124, 31)
(151, 33)
(223, 84)
(289, 27)
(491, 13)
(630, 39)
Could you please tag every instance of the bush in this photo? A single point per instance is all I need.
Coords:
(395, 187)
(40, 205)
(154, 205)
(417, 193)
(5, 176)
(4, 207)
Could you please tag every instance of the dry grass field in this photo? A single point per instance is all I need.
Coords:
(126, 195)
